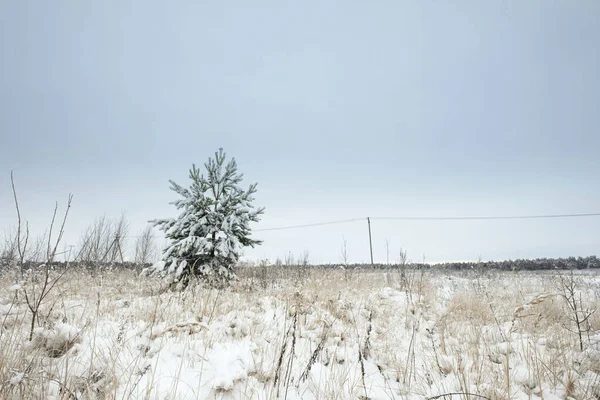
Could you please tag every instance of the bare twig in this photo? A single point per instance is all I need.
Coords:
(48, 252)
(439, 396)
(34, 296)
(12, 181)
(62, 229)
(20, 249)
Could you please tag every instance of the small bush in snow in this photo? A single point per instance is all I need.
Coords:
(207, 238)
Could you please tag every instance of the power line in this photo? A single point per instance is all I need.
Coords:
(435, 219)
(460, 218)
(488, 217)
(344, 221)
(311, 225)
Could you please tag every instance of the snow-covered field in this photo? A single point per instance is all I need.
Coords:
(318, 334)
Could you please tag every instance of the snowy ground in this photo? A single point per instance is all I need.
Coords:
(315, 335)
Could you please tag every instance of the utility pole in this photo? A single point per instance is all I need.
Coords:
(387, 251)
(370, 240)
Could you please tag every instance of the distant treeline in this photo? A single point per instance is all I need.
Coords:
(529, 265)
(508, 265)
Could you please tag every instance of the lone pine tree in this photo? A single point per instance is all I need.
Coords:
(207, 238)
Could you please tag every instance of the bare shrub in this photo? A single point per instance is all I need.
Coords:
(8, 252)
(36, 290)
(145, 247)
(579, 315)
(104, 241)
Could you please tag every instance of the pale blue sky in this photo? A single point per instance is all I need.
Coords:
(338, 109)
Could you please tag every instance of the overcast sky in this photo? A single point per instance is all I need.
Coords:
(337, 109)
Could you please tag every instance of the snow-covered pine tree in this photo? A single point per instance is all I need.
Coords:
(207, 238)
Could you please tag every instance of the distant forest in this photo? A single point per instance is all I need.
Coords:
(508, 265)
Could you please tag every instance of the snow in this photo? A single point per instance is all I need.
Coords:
(15, 287)
(57, 340)
(229, 363)
(17, 378)
(304, 338)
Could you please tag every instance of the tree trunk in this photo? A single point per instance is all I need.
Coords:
(33, 318)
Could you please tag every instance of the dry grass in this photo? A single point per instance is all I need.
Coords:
(319, 334)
